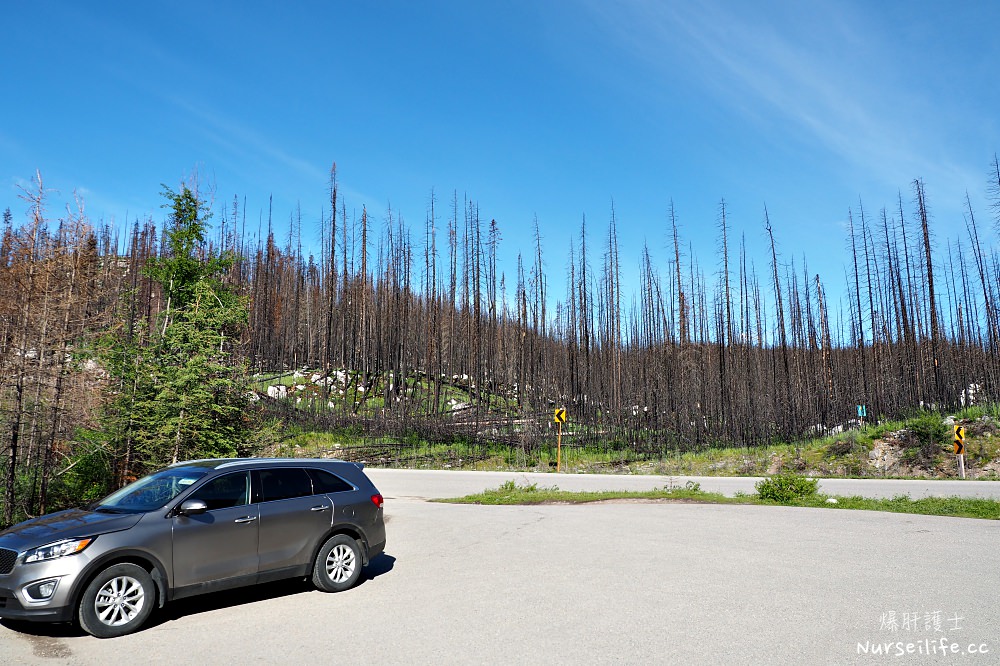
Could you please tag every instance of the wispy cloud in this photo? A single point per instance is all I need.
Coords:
(243, 142)
(248, 150)
(817, 67)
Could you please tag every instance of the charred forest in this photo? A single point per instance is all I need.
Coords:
(725, 350)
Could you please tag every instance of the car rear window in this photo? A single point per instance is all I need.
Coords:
(327, 482)
(284, 483)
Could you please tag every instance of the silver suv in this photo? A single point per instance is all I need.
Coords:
(194, 527)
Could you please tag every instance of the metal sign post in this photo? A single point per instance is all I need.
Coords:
(960, 449)
(560, 418)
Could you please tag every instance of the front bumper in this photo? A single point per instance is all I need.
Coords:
(11, 609)
(17, 604)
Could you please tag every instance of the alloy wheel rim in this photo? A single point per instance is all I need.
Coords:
(340, 563)
(119, 601)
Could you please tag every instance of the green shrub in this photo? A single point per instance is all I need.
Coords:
(926, 433)
(971, 413)
(842, 445)
(928, 429)
(785, 488)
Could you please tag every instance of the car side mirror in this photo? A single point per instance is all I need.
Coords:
(192, 507)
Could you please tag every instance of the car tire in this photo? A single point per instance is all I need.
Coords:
(118, 601)
(338, 564)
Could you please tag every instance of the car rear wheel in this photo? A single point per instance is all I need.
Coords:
(118, 601)
(338, 564)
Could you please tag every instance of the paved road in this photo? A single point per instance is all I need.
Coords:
(618, 583)
(451, 483)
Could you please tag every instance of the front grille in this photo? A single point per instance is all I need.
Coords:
(7, 559)
(3, 602)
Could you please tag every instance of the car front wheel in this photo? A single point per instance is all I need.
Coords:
(118, 601)
(338, 564)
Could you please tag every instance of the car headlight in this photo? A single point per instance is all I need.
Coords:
(58, 549)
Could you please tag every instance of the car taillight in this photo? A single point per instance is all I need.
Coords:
(377, 500)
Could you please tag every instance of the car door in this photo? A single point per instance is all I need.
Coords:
(220, 544)
(293, 519)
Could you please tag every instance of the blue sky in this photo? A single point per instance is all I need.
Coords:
(547, 109)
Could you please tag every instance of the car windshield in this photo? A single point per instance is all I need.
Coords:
(150, 492)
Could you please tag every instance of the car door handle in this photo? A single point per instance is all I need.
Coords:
(245, 519)
(322, 507)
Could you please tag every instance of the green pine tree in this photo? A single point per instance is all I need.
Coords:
(180, 390)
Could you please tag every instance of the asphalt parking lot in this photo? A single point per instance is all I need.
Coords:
(605, 583)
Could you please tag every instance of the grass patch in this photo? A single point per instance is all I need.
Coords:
(510, 493)
(955, 507)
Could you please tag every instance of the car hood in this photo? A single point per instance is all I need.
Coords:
(64, 525)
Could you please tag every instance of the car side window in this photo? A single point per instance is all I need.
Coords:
(284, 483)
(327, 482)
(225, 491)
